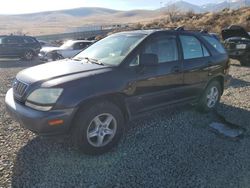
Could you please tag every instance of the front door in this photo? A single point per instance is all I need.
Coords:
(157, 86)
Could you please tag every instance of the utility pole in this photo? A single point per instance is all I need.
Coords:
(161, 3)
(229, 4)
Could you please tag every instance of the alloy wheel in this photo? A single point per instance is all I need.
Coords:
(101, 130)
(212, 97)
(28, 55)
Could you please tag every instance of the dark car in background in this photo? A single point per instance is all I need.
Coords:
(25, 47)
(237, 43)
(118, 78)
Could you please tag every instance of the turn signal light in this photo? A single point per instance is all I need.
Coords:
(56, 122)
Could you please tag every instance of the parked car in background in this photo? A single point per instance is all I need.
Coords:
(25, 47)
(46, 44)
(237, 43)
(120, 77)
(67, 50)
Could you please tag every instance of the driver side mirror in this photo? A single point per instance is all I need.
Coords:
(148, 60)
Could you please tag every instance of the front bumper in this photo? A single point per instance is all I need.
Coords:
(236, 54)
(38, 121)
(44, 57)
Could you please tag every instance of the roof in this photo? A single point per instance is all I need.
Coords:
(15, 36)
(171, 29)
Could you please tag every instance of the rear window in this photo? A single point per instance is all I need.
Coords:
(215, 43)
(1, 40)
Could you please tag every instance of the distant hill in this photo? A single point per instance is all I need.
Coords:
(209, 7)
(61, 21)
(184, 6)
(76, 12)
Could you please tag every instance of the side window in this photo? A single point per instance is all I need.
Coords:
(83, 45)
(165, 47)
(79, 46)
(191, 46)
(215, 43)
(13, 40)
(205, 51)
(135, 61)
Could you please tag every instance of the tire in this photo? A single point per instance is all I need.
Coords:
(56, 57)
(245, 60)
(91, 134)
(28, 55)
(210, 97)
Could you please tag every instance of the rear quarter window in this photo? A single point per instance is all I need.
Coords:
(192, 48)
(215, 43)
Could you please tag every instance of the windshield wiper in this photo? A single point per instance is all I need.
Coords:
(91, 60)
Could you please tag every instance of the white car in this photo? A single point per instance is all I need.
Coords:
(67, 50)
(46, 44)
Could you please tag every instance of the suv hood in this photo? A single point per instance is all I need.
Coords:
(57, 69)
(234, 31)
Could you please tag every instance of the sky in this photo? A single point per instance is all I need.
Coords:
(30, 6)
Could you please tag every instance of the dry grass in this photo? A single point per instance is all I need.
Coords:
(213, 22)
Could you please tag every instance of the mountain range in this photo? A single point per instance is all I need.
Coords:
(209, 7)
(64, 20)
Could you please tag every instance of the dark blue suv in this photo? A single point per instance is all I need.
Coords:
(25, 47)
(121, 77)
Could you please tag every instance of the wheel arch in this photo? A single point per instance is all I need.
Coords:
(116, 98)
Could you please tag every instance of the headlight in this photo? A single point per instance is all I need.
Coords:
(43, 99)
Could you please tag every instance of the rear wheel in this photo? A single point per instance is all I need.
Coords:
(28, 55)
(98, 129)
(245, 60)
(210, 97)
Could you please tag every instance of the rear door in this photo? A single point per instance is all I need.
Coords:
(196, 58)
(157, 86)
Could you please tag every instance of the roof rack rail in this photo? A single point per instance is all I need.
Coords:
(201, 30)
(180, 28)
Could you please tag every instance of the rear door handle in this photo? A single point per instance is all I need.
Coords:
(175, 69)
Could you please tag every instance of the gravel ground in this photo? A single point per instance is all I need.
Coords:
(171, 148)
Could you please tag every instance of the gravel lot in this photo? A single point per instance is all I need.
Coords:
(171, 148)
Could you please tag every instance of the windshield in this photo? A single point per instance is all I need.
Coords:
(67, 45)
(113, 49)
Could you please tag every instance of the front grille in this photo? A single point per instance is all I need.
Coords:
(19, 88)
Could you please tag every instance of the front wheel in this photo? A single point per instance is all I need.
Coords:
(210, 97)
(98, 128)
(56, 57)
